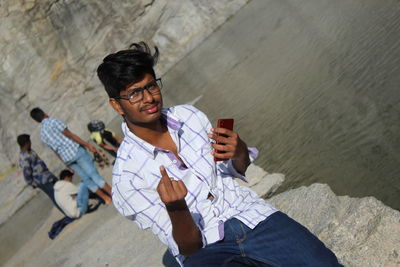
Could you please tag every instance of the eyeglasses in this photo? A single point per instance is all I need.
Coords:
(136, 94)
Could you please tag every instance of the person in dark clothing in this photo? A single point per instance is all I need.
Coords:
(99, 134)
(35, 171)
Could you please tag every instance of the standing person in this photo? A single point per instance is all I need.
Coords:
(70, 149)
(35, 171)
(99, 134)
(165, 178)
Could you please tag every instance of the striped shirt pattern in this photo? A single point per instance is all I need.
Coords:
(136, 176)
(51, 134)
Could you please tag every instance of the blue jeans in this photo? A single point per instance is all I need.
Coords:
(83, 165)
(82, 199)
(276, 241)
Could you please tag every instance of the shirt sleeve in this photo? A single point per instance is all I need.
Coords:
(27, 172)
(157, 219)
(253, 154)
(111, 132)
(137, 202)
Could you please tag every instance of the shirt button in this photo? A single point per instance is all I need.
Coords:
(174, 161)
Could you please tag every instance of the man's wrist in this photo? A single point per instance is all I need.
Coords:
(179, 205)
(241, 163)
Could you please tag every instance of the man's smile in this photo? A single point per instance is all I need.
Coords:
(150, 109)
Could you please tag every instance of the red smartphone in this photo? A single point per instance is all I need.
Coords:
(227, 124)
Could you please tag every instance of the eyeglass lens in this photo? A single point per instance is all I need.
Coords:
(153, 88)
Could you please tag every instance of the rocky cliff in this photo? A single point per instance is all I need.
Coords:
(50, 50)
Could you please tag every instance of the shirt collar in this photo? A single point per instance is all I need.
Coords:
(23, 153)
(173, 124)
(26, 153)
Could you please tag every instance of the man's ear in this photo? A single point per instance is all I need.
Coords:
(116, 106)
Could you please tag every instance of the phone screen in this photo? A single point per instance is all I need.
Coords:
(227, 124)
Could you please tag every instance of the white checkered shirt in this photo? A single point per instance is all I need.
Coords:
(51, 134)
(136, 176)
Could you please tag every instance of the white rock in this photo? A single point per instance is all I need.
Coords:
(361, 231)
(262, 182)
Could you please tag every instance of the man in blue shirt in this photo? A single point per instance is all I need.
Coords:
(70, 149)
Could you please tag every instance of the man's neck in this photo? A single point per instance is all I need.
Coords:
(26, 149)
(151, 132)
(45, 117)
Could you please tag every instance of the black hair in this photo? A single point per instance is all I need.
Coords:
(65, 173)
(23, 139)
(124, 68)
(37, 114)
(96, 126)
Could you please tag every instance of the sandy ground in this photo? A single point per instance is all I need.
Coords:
(102, 238)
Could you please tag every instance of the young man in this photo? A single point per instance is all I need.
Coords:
(35, 171)
(70, 149)
(73, 200)
(165, 178)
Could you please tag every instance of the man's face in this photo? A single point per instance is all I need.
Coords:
(144, 112)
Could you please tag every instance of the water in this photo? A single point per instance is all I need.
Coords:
(313, 84)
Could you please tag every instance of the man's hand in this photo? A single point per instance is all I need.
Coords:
(172, 193)
(184, 231)
(230, 146)
(91, 148)
(77, 139)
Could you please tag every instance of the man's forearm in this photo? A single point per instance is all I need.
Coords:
(76, 138)
(108, 147)
(184, 231)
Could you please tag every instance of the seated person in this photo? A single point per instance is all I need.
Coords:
(99, 134)
(72, 199)
(165, 178)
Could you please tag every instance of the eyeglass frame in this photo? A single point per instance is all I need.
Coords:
(147, 87)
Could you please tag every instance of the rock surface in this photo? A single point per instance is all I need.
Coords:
(362, 232)
(14, 194)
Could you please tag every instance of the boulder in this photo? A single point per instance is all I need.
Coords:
(361, 231)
